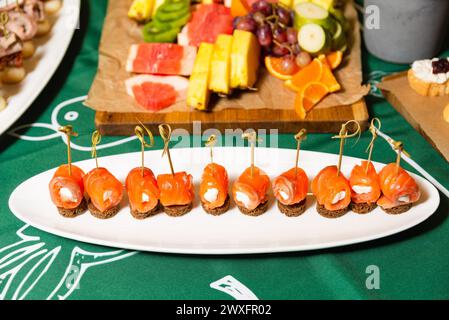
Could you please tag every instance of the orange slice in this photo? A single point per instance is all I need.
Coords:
(334, 59)
(289, 84)
(273, 65)
(239, 8)
(307, 98)
(310, 73)
(327, 77)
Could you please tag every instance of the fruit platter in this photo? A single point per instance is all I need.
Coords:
(240, 61)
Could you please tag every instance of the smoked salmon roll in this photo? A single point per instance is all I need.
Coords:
(290, 190)
(332, 192)
(250, 192)
(67, 191)
(365, 188)
(143, 193)
(399, 189)
(214, 189)
(176, 193)
(105, 193)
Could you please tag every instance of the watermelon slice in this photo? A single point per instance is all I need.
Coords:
(155, 93)
(208, 21)
(161, 58)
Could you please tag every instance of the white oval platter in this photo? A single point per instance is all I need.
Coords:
(231, 233)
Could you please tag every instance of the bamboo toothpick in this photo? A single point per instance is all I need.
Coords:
(96, 139)
(299, 137)
(399, 147)
(68, 131)
(343, 135)
(165, 132)
(140, 133)
(211, 141)
(373, 129)
(252, 139)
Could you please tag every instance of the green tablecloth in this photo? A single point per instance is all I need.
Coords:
(36, 265)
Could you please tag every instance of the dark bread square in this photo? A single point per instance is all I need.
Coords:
(261, 209)
(329, 213)
(143, 215)
(362, 208)
(72, 213)
(177, 211)
(399, 209)
(220, 210)
(293, 210)
(102, 215)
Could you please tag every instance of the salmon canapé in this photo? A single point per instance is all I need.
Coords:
(67, 190)
(331, 189)
(291, 186)
(214, 186)
(365, 186)
(250, 190)
(398, 187)
(142, 189)
(175, 189)
(104, 190)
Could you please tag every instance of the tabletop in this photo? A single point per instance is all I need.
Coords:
(413, 264)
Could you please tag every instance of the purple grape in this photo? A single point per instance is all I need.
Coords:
(292, 35)
(296, 49)
(234, 22)
(288, 65)
(259, 17)
(246, 23)
(284, 16)
(262, 6)
(264, 35)
(279, 34)
(280, 51)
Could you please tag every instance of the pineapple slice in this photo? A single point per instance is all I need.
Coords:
(198, 92)
(141, 10)
(221, 65)
(244, 59)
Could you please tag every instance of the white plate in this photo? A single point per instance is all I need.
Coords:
(231, 233)
(41, 67)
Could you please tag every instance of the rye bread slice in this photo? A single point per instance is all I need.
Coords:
(399, 209)
(261, 209)
(177, 211)
(102, 215)
(143, 215)
(362, 208)
(329, 213)
(220, 210)
(72, 213)
(294, 210)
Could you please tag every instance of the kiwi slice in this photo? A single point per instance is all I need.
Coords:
(167, 16)
(175, 5)
(156, 32)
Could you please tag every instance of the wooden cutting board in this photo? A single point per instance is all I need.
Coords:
(285, 121)
(425, 114)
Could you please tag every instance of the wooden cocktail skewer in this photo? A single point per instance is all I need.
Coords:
(96, 139)
(140, 133)
(343, 135)
(252, 139)
(373, 129)
(165, 132)
(68, 131)
(211, 141)
(299, 137)
(399, 147)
